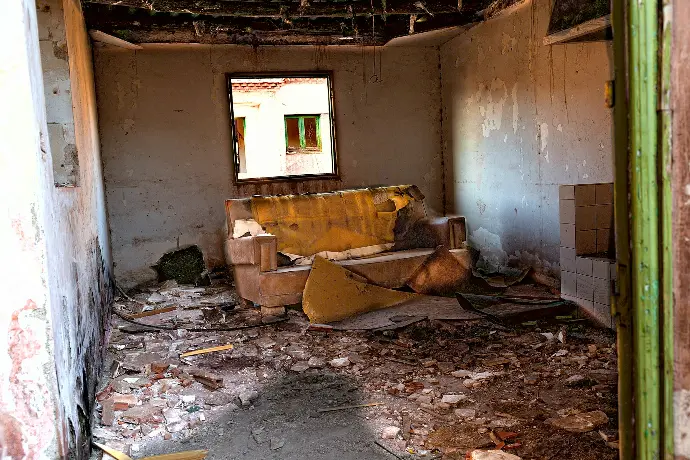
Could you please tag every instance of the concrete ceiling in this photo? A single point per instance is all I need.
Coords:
(282, 22)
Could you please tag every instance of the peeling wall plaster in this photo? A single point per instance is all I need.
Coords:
(520, 118)
(166, 141)
(75, 231)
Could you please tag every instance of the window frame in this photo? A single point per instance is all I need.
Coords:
(304, 150)
(328, 75)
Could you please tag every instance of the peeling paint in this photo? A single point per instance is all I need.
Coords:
(490, 102)
(508, 43)
(544, 140)
(557, 120)
(492, 255)
(681, 414)
(515, 108)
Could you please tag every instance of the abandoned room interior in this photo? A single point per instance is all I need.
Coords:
(281, 229)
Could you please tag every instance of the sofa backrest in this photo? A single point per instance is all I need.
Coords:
(335, 221)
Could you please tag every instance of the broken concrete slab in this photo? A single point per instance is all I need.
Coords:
(491, 455)
(580, 423)
(390, 432)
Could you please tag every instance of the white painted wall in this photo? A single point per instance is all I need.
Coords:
(520, 118)
(264, 113)
(56, 268)
(165, 132)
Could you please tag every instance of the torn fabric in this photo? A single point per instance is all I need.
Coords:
(332, 293)
(334, 222)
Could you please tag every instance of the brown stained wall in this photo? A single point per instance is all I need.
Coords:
(165, 134)
(520, 118)
(680, 93)
(78, 252)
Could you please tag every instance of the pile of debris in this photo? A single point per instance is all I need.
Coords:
(190, 362)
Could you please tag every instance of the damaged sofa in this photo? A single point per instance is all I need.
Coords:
(383, 234)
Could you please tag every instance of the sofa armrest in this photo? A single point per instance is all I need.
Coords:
(261, 250)
(458, 232)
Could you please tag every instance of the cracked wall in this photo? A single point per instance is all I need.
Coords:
(520, 118)
(166, 139)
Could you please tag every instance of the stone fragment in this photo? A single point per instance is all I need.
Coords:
(124, 402)
(277, 443)
(425, 399)
(188, 399)
(340, 362)
(491, 455)
(354, 357)
(159, 367)
(145, 413)
(172, 415)
(300, 367)
(462, 374)
(108, 414)
(245, 351)
(531, 379)
(265, 342)
(177, 426)
(467, 414)
(316, 362)
(218, 398)
(575, 380)
(390, 432)
(297, 353)
(156, 298)
(504, 422)
(580, 423)
(247, 397)
(453, 399)
(445, 367)
(168, 285)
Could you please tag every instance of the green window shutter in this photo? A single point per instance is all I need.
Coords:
(302, 139)
(318, 131)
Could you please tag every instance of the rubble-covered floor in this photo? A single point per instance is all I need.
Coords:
(441, 388)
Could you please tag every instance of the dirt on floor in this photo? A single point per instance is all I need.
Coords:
(543, 389)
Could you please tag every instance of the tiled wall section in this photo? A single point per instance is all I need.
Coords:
(587, 269)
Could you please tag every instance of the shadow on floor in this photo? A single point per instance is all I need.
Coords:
(284, 423)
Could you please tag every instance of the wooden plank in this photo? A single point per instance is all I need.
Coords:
(594, 25)
(280, 10)
(206, 350)
(102, 37)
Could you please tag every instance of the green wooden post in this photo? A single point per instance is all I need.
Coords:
(622, 307)
(318, 131)
(643, 74)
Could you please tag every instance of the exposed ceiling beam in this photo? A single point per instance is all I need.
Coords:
(586, 28)
(257, 22)
(141, 27)
(305, 9)
(102, 37)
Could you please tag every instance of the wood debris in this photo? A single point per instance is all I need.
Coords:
(206, 350)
